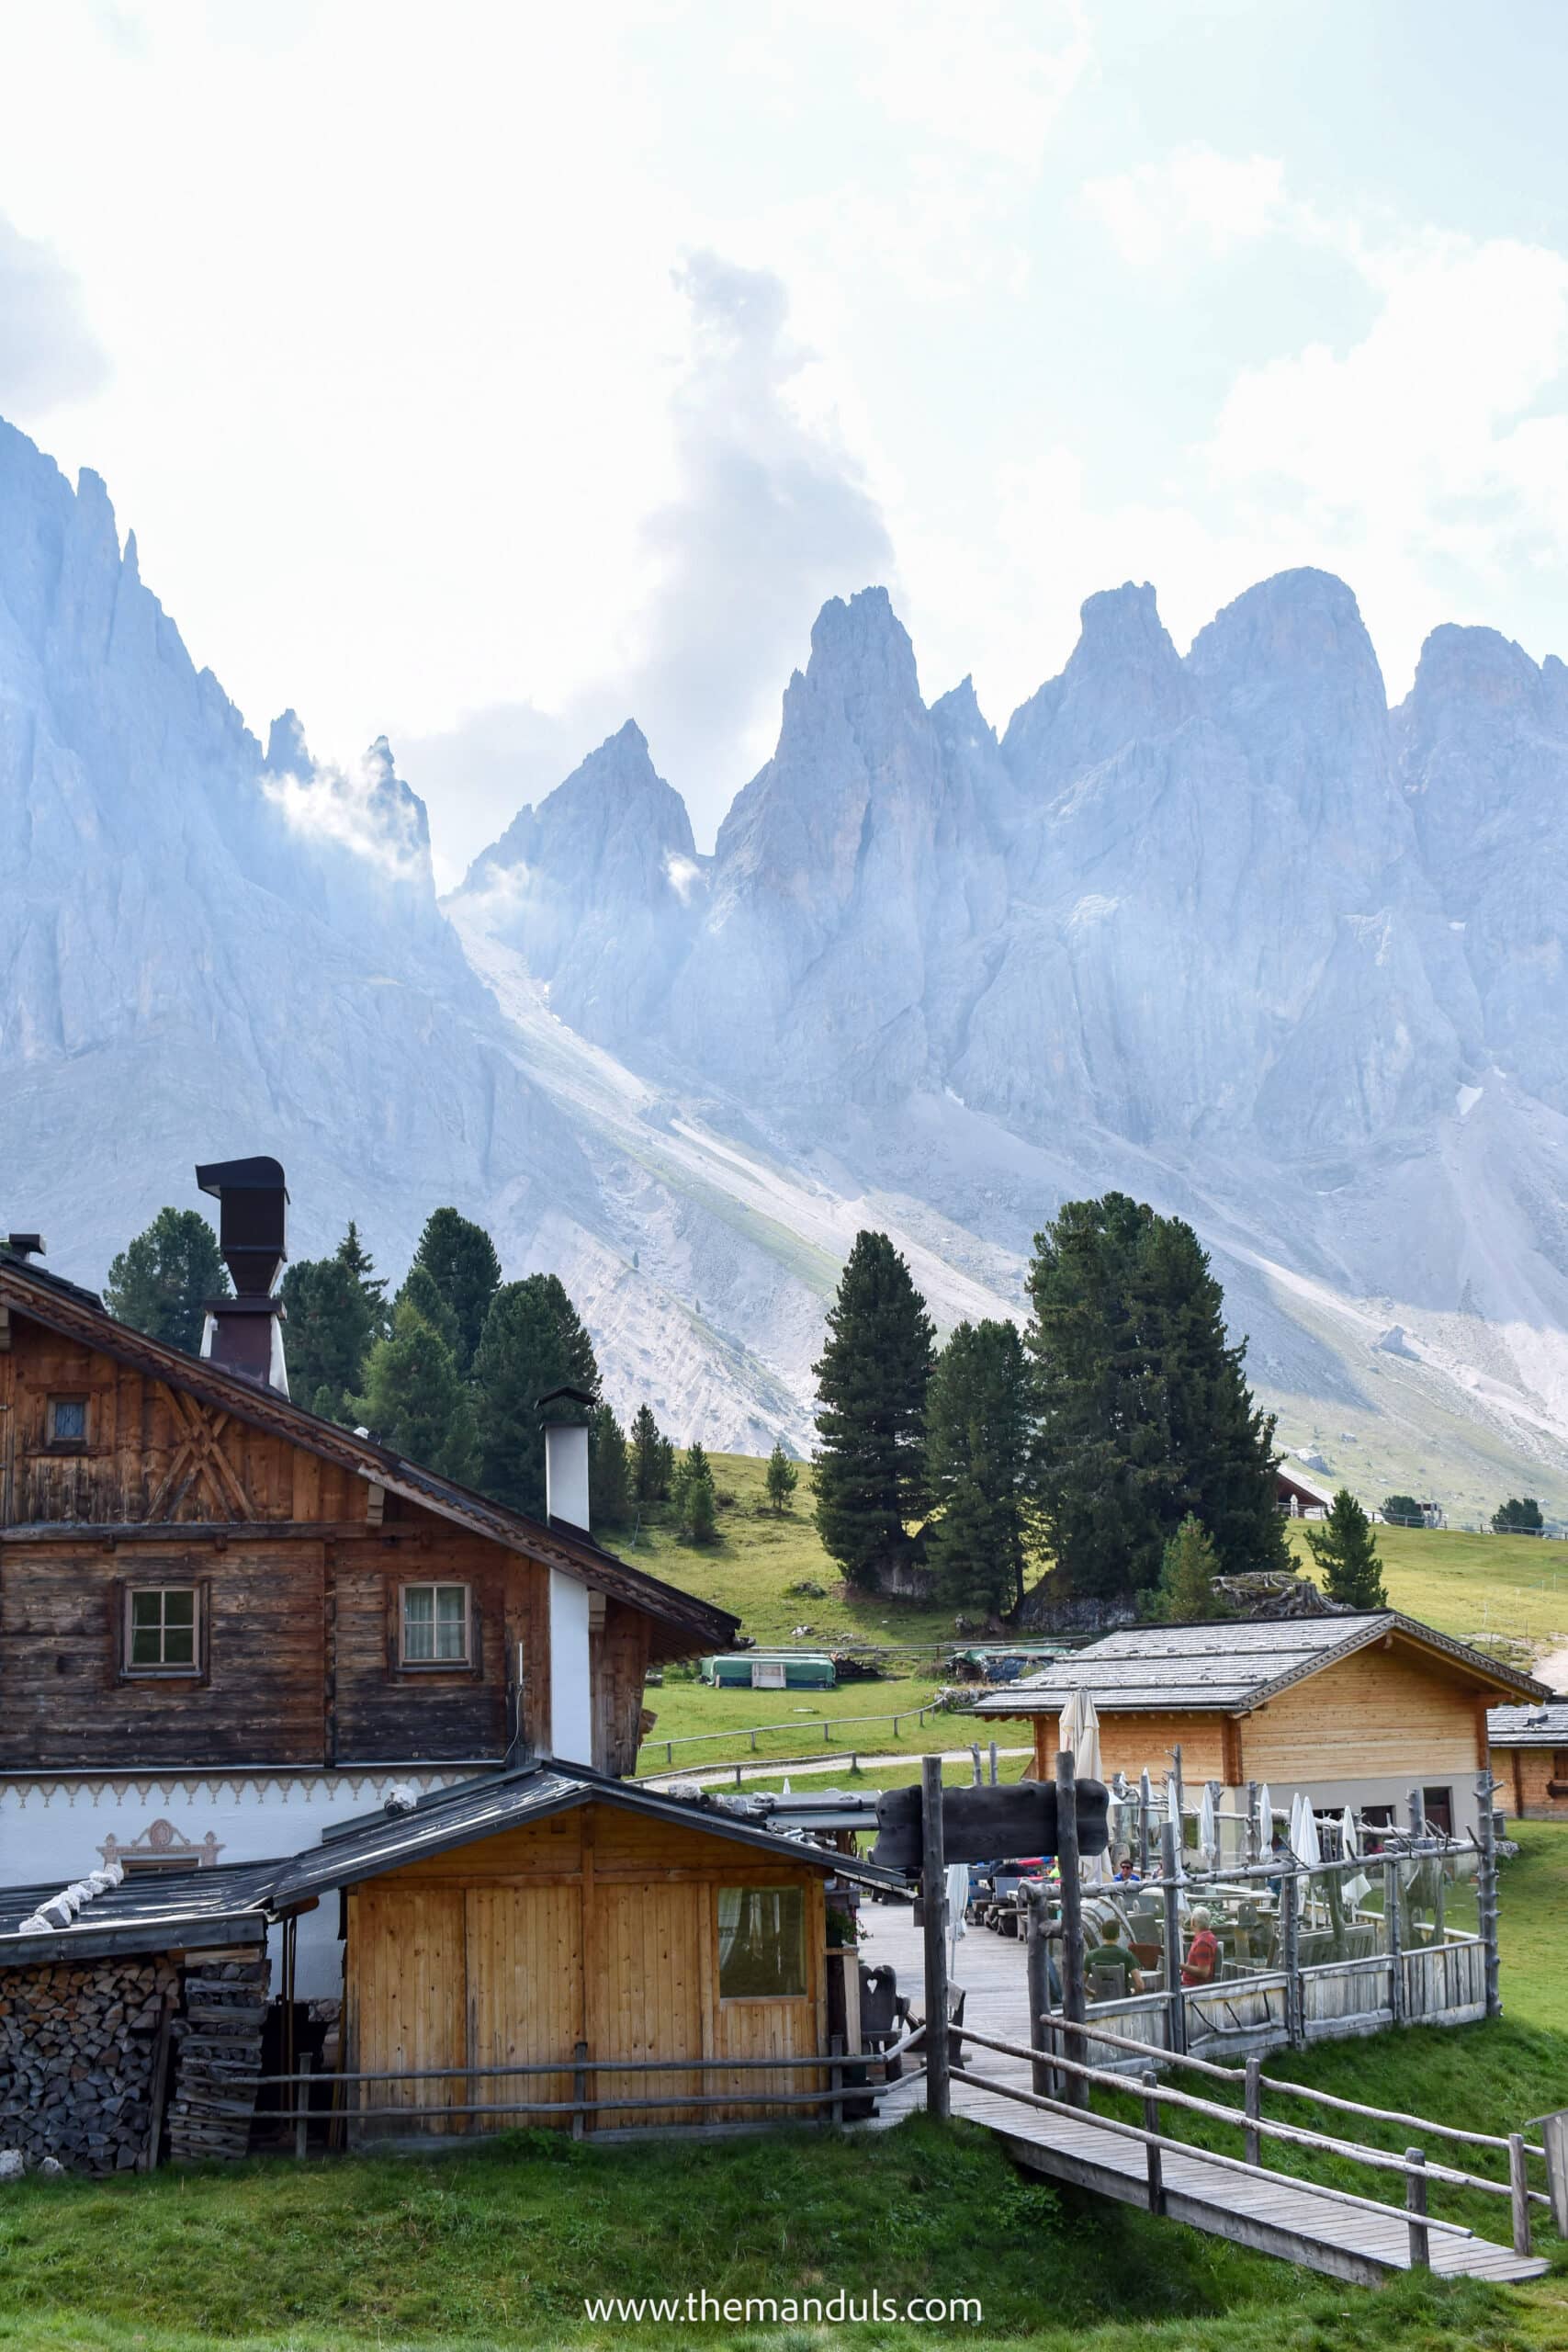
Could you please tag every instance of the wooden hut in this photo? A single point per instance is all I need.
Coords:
(552, 1916)
(1529, 1758)
(1352, 1710)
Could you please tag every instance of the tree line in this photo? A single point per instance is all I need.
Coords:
(447, 1370)
(1115, 1433)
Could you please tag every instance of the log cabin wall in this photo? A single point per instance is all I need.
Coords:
(1533, 1781)
(597, 1925)
(1130, 1742)
(1382, 1714)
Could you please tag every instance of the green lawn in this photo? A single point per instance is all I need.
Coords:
(1468, 1584)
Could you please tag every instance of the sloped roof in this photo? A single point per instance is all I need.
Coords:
(1229, 1666)
(1545, 1725)
(76, 1314)
(150, 1911)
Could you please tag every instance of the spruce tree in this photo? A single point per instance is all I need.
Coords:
(1144, 1414)
(978, 1432)
(1521, 1515)
(416, 1400)
(1346, 1551)
(533, 1342)
(1186, 1593)
(609, 1470)
(652, 1457)
(871, 1406)
(362, 1266)
(421, 1291)
(158, 1282)
(460, 1259)
(781, 1479)
(696, 1501)
(330, 1324)
(1403, 1510)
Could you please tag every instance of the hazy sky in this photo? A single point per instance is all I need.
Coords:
(484, 375)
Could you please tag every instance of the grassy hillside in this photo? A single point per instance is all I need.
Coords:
(1465, 1585)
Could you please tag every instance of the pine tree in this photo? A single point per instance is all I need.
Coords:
(327, 1334)
(422, 1292)
(1144, 1414)
(362, 1266)
(782, 1478)
(460, 1259)
(158, 1282)
(871, 1406)
(652, 1457)
(1346, 1550)
(609, 1471)
(977, 1432)
(1187, 1594)
(696, 1501)
(1403, 1510)
(533, 1342)
(1517, 1515)
(416, 1400)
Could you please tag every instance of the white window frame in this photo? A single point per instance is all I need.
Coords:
(770, 1674)
(162, 1669)
(435, 1586)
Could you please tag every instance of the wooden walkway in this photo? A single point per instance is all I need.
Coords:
(1269, 2212)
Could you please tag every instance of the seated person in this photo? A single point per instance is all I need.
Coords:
(1127, 1875)
(1202, 1963)
(1110, 1952)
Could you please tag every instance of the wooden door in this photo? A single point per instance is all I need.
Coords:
(645, 1989)
(409, 1976)
(525, 1993)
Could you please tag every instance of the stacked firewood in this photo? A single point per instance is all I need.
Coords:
(80, 2051)
(219, 2039)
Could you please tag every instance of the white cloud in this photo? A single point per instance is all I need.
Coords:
(1194, 196)
(49, 355)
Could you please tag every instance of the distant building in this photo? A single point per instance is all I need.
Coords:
(1530, 1757)
(1297, 1497)
(770, 1670)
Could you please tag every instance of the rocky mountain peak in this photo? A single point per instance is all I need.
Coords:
(1123, 680)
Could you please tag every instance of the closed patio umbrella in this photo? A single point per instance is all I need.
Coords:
(1208, 1832)
(1080, 1737)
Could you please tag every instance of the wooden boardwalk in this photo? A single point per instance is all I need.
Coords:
(1271, 2213)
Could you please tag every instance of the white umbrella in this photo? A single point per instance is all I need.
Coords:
(1208, 1832)
(1309, 1852)
(957, 1907)
(1265, 1823)
(1358, 1884)
(1079, 1736)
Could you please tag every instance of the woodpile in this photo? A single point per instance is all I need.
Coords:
(219, 2041)
(80, 2047)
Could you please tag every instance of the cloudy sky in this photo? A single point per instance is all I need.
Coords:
(483, 374)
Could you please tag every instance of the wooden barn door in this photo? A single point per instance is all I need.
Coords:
(645, 1987)
(525, 1993)
(408, 2010)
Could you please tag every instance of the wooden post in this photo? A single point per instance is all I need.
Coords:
(1142, 1828)
(1072, 1919)
(933, 1901)
(1416, 2207)
(578, 2090)
(1417, 1803)
(1176, 2008)
(1178, 1798)
(1290, 1936)
(1394, 1939)
(1487, 1895)
(1254, 2110)
(996, 1775)
(302, 2111)
(1037, 1971)
(1152, 2151)
(836, 2076)
(1254, 1836)
(1519, 2193)
(975, 1761)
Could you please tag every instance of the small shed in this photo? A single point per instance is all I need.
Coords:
(770, 1670)
(1529, 1758)
(551, 1918)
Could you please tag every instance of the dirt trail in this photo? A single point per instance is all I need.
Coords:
(1553, 1668)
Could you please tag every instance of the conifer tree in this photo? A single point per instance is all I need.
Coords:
(416, 1400)
(362, 1266)
(460, 1259)
(1187, 1594)
(977, 1430)
(1403, 1510)
(330, 1324)
(609, 1470)
(1519, 1516)
(652, 1458)
(781, 1479)
(158, 1282)
(870, 1407)
(696, 1501)
(533, 1342)
(1346, 1551)
(421, 1291)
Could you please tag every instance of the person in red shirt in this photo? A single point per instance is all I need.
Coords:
(1202, 1961)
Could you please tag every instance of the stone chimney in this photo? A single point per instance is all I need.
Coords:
(245, 1333)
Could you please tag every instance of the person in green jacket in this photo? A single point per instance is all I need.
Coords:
(1111, 1953)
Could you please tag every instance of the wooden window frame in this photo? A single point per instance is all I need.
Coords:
(52, 1444)
(469, 1665)
(755, 2000)
(199, 1588)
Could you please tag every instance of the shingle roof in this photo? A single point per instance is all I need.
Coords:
(157, 1910)
(1226, 1668)
(76, 1314)
(1541, 1726)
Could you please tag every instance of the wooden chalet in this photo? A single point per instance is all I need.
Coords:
(1352, 1710)
(1529, 1758)
(1297, 1495)
(225, 1623)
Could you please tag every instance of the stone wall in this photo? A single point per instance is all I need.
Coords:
(79, 2056)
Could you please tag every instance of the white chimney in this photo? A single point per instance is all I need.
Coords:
(565, 1473)
(565, 1503)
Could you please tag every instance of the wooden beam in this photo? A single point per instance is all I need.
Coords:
(933, 1899)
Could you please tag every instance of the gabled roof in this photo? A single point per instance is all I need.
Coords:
(1230, 1666)
(1545, 1725)
(76, 1314)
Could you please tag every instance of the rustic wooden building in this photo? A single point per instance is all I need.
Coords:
(225, 1622)
(1529, 1758)
(1352, 1710)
